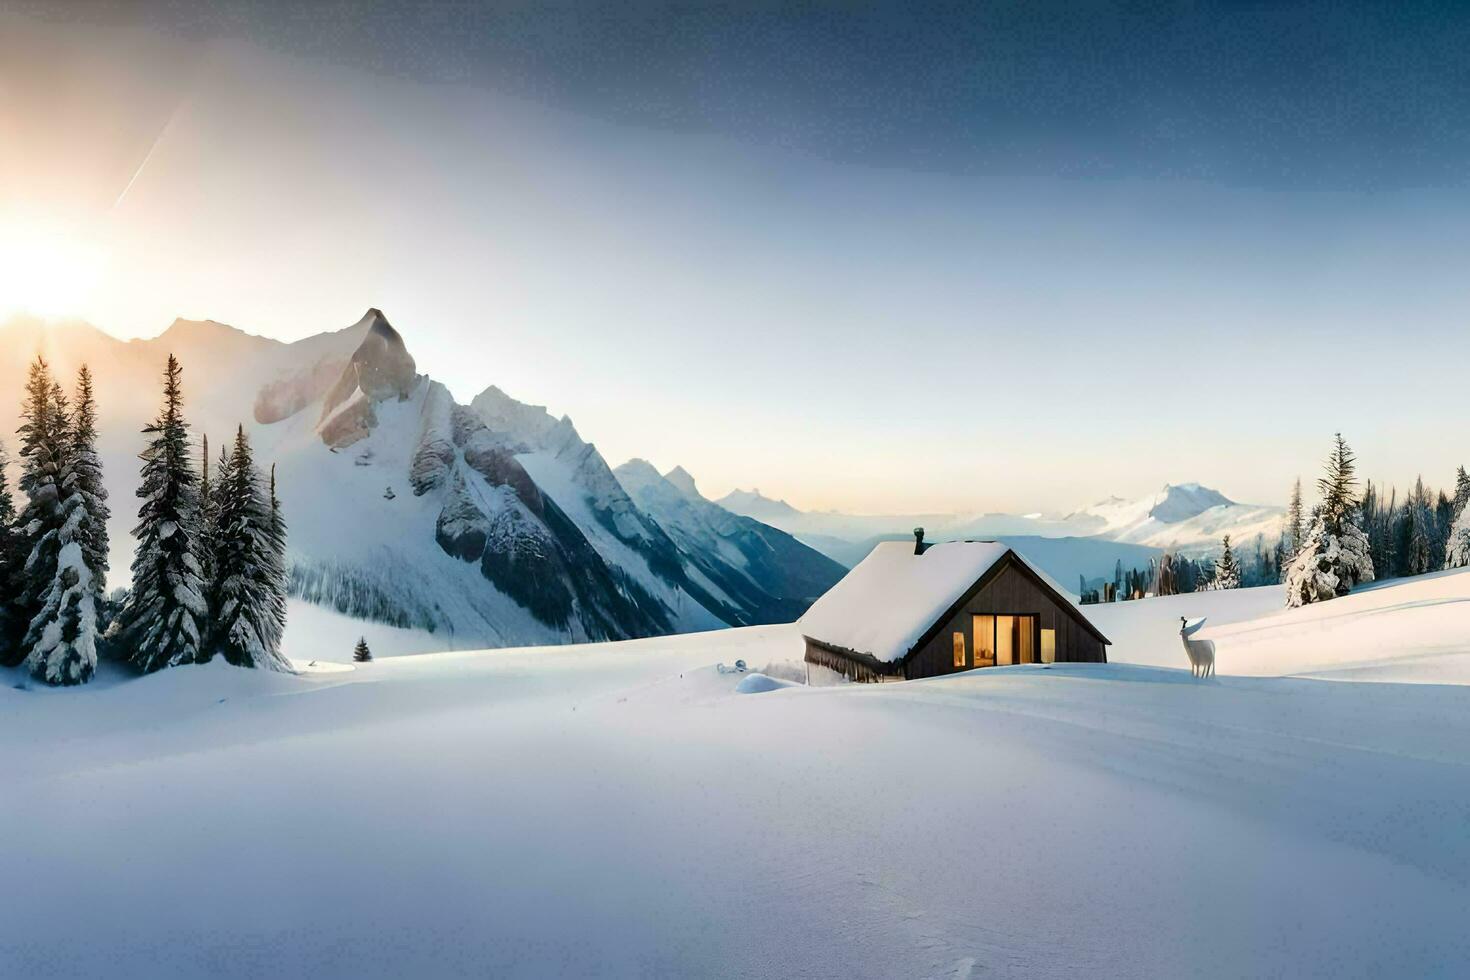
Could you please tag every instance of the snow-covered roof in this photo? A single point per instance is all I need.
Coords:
(893, 596)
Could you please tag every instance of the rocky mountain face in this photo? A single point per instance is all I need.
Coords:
(753, 566)
(490, 524)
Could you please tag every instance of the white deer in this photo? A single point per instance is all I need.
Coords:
(1201, 652)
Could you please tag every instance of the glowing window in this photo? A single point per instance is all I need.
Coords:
(959, 649)
(1048, 646)
(984, 641)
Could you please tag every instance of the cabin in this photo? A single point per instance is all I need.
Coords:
(921, 610)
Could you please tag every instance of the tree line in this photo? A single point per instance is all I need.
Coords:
(1351, 538)
(1348, 539)
(209, 572)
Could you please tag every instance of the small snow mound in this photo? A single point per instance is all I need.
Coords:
(759, 683)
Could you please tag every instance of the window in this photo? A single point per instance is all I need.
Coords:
(959, 649)
(1005, 641)
(1025, 639)
(1015, 640)
(984, 641)
(1048, 646)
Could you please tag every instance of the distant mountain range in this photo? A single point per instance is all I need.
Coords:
(490, 524)
(1183, 518)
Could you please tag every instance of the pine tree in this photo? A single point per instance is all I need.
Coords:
(87, 468)
(1335, 555)
(166, 614)
(1419, 558)
(243, 595)
(278, 571)
(1462, 492)
(1457, 548)
(1295, 523)
(21, 592)
(208, 512)
(361, 654)
(1444, 519)
(43, 440)
(1227, 570)
(11, 561)
(1336, 486)
(60, 642)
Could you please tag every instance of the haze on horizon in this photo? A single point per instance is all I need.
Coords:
(1009, 259)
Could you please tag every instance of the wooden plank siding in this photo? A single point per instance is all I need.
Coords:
(1011, 592)
(1009, 588)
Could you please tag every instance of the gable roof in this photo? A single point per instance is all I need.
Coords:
(893, 599)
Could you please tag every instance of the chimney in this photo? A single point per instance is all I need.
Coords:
(918, 540)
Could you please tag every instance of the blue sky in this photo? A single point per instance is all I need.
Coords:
(1017, 260)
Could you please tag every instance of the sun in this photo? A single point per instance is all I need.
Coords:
(46, 271)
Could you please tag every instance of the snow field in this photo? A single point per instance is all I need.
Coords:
(616, 810)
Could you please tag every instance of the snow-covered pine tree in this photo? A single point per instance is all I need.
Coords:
(1462, 491)
(1457, 548)
(360, 653)
(1419, 558)
(1386, 558)
(243, 592)
(165, 618)
(43, 448)
(1337, 485)
(1295, 521)
(278, 572)
(1335, 555)
(87, 471)
(208, 511)
(1227, 569)
(60, 643)
(37, 453)
(10, 560)
(1444, 518)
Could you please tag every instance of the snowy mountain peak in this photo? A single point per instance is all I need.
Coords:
(1180, 502)
(530, 426)
(683, 482)
(756, 504)
(380, 369)
(639, 471)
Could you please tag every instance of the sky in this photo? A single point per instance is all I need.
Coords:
(878, 258)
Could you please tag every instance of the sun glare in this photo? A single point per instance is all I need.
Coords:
(46, 272)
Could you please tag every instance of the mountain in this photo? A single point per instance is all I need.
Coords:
(625, 533)
(1186, 518)
(490, 524)
(750, 564)
(752, 503)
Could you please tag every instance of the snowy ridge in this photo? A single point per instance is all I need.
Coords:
(764, 573)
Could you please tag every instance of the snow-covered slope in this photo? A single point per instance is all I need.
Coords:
(575, 474)
(1402, 630)
(756, 568)
(478, 526)
(621, 810)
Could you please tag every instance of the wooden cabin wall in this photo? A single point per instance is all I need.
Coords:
(1010, 593)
